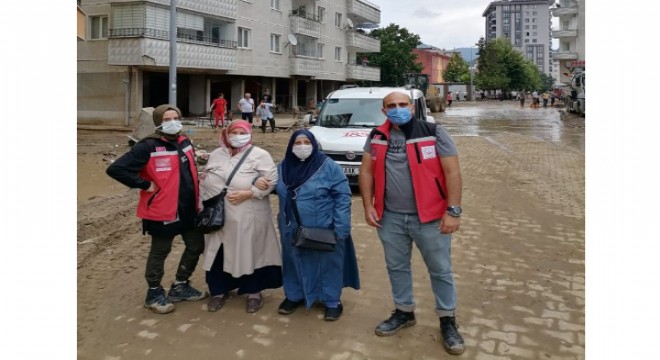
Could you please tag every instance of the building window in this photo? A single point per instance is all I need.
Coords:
(534, 13)
(275, 43)
(526, 20)
(244, 37)
(321, 14)
(337, 53)
(534, 40)
(320, 51)
(526, 41)
(534, 20)
(275, 4)
(338, 19)
(99, 26)
(534, 26)
(526, 27)
(534, 33)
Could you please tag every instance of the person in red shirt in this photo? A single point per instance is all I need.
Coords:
(219, 108)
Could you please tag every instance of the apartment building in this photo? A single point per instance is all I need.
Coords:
(434, 61)
(526, 23)
(298, 49)
(571, 36)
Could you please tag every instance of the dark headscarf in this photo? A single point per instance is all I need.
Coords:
(157, 116)
(296, 172)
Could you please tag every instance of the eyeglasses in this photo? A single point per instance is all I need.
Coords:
(394, 105)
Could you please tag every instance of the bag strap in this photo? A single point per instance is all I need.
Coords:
(294, 205)
(247, 152)
(214, 200)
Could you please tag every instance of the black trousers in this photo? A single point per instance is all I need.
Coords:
(161, 247)
(272, 124)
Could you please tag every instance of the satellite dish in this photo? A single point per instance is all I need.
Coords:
(292, 39)
(349, 22)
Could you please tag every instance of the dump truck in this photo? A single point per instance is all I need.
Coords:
(575, 100)
(434, 100)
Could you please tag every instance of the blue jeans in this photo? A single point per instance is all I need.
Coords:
(397, 234)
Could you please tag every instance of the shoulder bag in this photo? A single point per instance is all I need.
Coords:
(212, 217)
(320, 239)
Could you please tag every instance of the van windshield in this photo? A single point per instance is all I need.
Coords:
(342, 113)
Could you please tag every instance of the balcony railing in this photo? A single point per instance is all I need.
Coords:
(362, 72)
(362, 42)
(565, 32)
(304, 14)
(564, 55)
(165, 35)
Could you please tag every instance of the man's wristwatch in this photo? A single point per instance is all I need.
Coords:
(454, 211)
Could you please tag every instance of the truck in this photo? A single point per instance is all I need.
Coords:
(434, 99)
(575, 100)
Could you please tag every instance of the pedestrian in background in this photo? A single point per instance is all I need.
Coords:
(245, 254)
(246, 105)
(162, 166)
(410, 182)
(449, 99)
(545, 97)
(266, 115)
(322, 200)
(219, 108)
(535, 99)
(521, 97)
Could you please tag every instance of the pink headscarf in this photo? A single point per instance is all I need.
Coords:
(224, 136)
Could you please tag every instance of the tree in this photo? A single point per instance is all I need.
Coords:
(396, 55)
(457, 69)
(501, 67)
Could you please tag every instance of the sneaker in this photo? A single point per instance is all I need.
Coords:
(333, 314)
(183, 291)
(157, 302)
(452, 340)
(288, 307)
(398, 320)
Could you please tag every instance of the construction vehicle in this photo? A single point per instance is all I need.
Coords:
(434, 100)
(575, 101)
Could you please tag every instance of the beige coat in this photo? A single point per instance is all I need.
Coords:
(249, 237)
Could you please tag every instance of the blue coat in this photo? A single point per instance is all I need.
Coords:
(323, 201)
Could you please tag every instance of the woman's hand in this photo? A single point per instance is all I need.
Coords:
(262, 183)
(236, 197)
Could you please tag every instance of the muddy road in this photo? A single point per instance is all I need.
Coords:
(518, 259)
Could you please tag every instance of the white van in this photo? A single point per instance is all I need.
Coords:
(346, 119)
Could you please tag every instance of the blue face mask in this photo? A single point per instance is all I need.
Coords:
(399, 115)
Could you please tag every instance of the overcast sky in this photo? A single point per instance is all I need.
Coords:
(446, 24)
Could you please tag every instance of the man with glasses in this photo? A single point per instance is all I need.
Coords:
(410, 183)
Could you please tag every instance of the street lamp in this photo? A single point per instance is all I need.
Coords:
(471, 71)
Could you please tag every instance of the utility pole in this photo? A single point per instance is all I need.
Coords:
(172, 98)
(471, 71)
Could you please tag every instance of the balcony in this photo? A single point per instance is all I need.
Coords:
(564, 55)
(564, 33)
(304, 66)
(362, 43)
(150, 47)
(363, 11)
(305, 24)
(361, 72)
(567, 7)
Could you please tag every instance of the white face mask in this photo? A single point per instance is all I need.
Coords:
(239, 140)
(302, 151)
(171, 127)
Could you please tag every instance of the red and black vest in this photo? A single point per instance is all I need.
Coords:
(428, 179)
(163, 169)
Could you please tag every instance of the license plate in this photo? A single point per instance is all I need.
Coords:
(351, 171)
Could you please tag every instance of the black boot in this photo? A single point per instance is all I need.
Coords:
(452, 340)
(398, 320)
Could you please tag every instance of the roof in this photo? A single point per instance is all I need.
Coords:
(371, 93)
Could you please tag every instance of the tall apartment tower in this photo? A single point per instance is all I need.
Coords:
(526, 23)
(571, 35)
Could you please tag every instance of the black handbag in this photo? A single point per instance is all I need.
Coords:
(212, 217)
(320, 239)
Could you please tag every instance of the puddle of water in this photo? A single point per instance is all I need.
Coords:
(491, 117)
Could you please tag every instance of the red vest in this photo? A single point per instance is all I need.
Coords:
(428, 179)
(163, 169)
